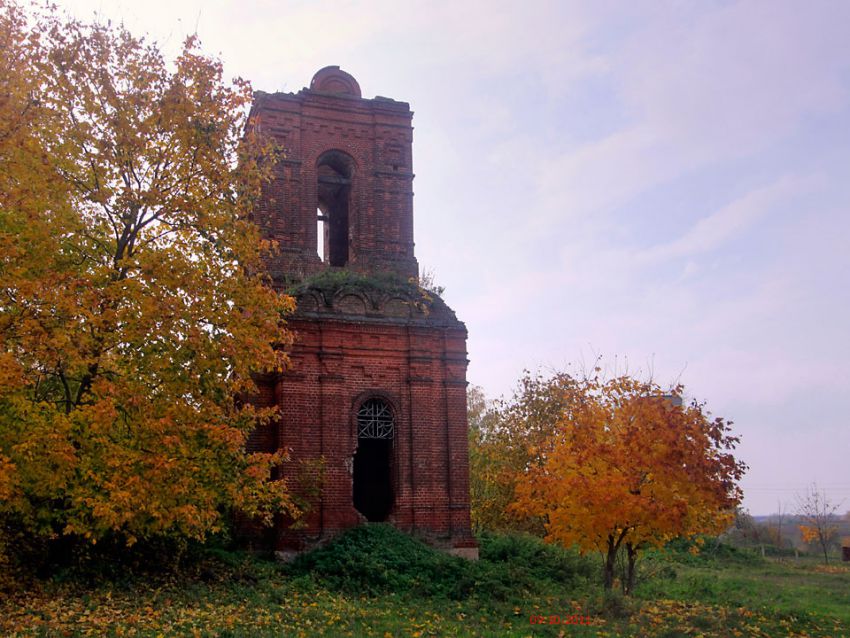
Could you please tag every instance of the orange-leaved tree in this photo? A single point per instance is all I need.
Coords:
(133, 309)
(628, 467)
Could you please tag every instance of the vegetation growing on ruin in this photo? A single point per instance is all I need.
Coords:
(381, 284)
(333, 280)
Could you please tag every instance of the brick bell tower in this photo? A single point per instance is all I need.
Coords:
(373, 408)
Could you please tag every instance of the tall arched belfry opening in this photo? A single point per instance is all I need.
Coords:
(375, 399)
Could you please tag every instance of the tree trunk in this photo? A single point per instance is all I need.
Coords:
(610, 559)
(631, 552)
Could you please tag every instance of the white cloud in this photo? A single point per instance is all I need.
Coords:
(710, 232)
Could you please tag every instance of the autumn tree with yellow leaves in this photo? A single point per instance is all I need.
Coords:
(504, 436)
(133, 309)
(628, 467)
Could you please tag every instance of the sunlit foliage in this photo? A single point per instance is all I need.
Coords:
(133, 311)
(504, 437)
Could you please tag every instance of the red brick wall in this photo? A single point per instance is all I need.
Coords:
(353, 345)
(421, 372)
(378, 135)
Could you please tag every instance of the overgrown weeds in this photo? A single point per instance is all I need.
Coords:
(377, 559)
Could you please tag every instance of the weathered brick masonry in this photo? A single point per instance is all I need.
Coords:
(377, 386)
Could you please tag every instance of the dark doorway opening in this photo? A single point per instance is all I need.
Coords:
(373, 491)
(373, 486)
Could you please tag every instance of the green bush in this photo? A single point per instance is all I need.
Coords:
(377, 559)
(73, 559)
(710, 552)
(542, 560)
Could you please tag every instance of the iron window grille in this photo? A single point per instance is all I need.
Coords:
(375, 420)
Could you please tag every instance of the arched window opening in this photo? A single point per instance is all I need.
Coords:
(375, 420)
(335, 170)
(321, 233)
(373, 490)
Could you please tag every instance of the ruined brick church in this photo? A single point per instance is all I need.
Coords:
(373, 406)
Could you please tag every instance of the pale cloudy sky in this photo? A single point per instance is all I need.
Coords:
(666, 182)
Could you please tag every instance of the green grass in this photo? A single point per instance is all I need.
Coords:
(791, 589)
(374, 581)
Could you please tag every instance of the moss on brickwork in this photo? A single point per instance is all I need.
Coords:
(382, 284)
(332, 280)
